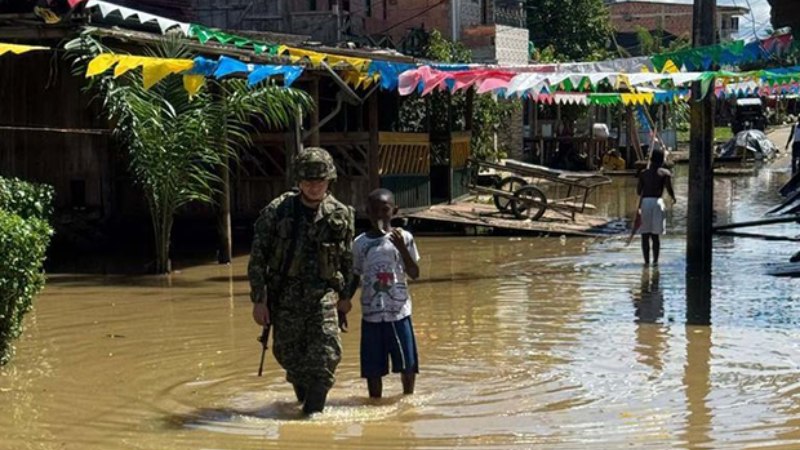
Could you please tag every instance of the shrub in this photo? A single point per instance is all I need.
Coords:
(26, 199)
(24, 236)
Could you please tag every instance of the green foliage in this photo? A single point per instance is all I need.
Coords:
(177, 145)
(576, 30)
(24, 237)
(444, 112)
(651, 43)
(26, 199)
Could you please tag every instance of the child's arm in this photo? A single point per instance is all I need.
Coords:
(671, 192)
(351, 289)
(409, 260)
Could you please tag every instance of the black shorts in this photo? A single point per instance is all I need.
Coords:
(382, 340)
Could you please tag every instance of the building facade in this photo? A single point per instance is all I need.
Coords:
(672, 18)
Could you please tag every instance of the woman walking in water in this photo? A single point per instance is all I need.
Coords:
(652, 182)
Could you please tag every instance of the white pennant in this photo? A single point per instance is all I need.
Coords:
(126, 13)
(164, 23)
(144, 17)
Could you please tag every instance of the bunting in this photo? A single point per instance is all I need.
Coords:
(256, 73)
(206, 34)
(19, 49)
(153, 69)
(107, 8)
(727, 54)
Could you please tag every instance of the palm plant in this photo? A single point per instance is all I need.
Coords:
(178, 145)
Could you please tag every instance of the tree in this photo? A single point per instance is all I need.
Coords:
(446, 111)
(177, 145)
(577, 30)
(786, 13)
(651, 43)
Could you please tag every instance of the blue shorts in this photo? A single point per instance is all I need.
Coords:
(381, 340)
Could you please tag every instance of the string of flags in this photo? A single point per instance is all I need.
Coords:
(637, 81)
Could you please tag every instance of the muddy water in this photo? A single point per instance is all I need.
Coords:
(524, 343)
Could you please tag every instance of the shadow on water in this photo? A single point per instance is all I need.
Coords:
(201, 418)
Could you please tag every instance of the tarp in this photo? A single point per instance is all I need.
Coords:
(753, 141)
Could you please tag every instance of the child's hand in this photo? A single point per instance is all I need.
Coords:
(397, 239)
(343, 325)
(344, 306)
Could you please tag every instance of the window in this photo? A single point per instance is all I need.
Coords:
(368, 8)
(312, 5)
(385, 8)
(734, 23)
(484, 12)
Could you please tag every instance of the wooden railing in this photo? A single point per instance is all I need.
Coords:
(404, 154)
(460, 149)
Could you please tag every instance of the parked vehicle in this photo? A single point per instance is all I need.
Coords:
(749, 114)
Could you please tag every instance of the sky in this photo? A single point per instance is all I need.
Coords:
(759, 15)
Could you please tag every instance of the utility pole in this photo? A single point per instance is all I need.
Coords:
(699, 231)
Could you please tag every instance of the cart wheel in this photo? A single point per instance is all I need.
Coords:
(510, 185)
(529, 203)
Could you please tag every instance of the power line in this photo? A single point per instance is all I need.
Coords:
(752, 15)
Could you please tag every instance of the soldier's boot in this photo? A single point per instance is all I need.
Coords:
(299, 392)
(315, 400)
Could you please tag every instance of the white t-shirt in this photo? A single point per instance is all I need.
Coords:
(384, 291)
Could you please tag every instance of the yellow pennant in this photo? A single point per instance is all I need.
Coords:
(644, 98)
(670, 67)
(126, 63)
(193, 84)
(359, 64)
(19, 49)
(156, 69)
(100, 64)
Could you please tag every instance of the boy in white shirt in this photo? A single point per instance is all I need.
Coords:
(383, 258)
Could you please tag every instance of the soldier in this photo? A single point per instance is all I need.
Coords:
(300, 262)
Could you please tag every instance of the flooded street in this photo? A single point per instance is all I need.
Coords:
(524, 343)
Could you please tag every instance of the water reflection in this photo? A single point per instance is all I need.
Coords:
(697, 380)
(651, 335)
(524, 343)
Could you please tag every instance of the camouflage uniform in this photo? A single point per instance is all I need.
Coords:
(303, 259)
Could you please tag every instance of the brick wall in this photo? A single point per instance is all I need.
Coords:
(675, 19)
(672, 18)
(428, 14)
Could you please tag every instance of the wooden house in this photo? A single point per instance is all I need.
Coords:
(51, 131)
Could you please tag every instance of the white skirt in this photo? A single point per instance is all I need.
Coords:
(654, 221)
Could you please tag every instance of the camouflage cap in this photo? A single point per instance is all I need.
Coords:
(315, 163)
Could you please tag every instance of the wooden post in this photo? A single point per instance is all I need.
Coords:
(470, 106)
(225, 235)
(374, 157)
(225, 252)
(701, 182)
(313, 119)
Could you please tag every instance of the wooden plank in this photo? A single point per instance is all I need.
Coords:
(757, 223)
(552, 223)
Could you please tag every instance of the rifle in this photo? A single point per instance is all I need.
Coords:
(264, 338)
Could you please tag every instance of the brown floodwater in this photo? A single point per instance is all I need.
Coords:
(524, 343)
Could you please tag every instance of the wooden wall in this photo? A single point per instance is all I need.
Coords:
(39, 91)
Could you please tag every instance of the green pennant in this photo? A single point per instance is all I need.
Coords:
(605, 99)
(205, 34)
(698, 55)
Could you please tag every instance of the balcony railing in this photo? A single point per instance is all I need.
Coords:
(510, 13)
